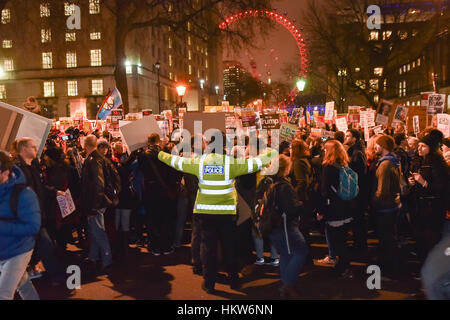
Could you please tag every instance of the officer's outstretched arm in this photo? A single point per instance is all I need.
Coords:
(187, 165)
(252, 165)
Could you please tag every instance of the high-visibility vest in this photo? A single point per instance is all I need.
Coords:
(216, 174)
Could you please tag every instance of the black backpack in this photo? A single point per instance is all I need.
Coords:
(14, 201)
(270, 216)
(112, 180)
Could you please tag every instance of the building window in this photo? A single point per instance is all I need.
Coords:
(170, 60)
(69, 9)
(404, 68)
(45, 10)
(357, 69)
(189, 26)
(206, 63)
(190, 69)
(9, 65)
(49, 89)
(153, 50)
(128, 67)
(94, 6)
(373, 84)
(373, 36)
(378, 71)
(71, 59)
(72, 88)
(189, 41)
(6, 16)
(404, 88)
(400, 70)
(2, 91)
(97, 87)
(361, 84)
(170, 75)
(96, 35)
(47, 60)
(400, 87)
(376, 98)
(403, 35)
(170, 42)
(46, 35)
(71, 36)
(385, 85)
(7, 44)
(418, 62)
(96, 58)
(190, 55)
(387, 34)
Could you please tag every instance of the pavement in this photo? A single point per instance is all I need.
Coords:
(142, 276)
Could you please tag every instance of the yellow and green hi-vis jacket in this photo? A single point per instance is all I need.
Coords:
(216, 173)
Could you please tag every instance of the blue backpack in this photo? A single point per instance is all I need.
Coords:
(348, 184)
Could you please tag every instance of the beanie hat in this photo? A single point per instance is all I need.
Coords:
(386, 142)
(55, 153)
(433, 139)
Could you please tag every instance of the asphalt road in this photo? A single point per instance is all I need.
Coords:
(143, 276)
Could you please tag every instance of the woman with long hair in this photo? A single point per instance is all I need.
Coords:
(336, 212)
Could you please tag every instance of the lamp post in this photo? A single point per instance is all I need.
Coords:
(157, 66)
(301, 83)
(181, 90)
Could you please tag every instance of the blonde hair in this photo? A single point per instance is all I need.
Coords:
(335, 153)
(370, 150)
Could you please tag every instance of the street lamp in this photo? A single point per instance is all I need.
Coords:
(157, 66)
(301, 83)
(181, 90)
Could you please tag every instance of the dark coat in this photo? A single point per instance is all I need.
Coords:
(358, 163)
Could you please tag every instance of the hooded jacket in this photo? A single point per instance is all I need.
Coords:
(17, 236)
(385, 195)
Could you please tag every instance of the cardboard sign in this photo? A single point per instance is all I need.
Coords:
(443, 124)
(328, 134)
(436, 103)
(401, 114)
(296, 115)
(354, 114)
(66, 204)
(371, 117)
(135, 134)
(378, 129)
(208, 121)
(116, 115)
(31, 125)
(315, 132)
(416, 124)
(270, 121)
(9, 126)
(384, 110)
(247, 117)
(329, 111)
(287, 132)
(341, 124)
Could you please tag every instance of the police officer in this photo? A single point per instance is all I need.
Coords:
(215, 204)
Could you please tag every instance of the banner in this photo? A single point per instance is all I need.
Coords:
(66, 204)
(443, 124)
(436, 103)
(287, 132)
(135, 134)
(112, 101)
(270, 121)
(329, 111)
(384, 110)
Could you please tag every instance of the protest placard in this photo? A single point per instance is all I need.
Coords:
(135, 134)
(287, 131)
(443, 124)
(208, 121)
(341, 124)
(371, 117)
(295, 115)
(378, 129)
(416, 124)
(354, 114)
(247, 117)
(401, 114)
(270, 121)
(384, 110)
(66, 204)
(436, 103)
(9, 126)
(329, 111)
(315, 132)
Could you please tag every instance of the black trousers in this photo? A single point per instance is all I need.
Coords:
(215, 228)
(196, 240)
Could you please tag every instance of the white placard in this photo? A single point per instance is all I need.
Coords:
(436, 103)
(416, 124)
(341, 124)
(329, 111)
(66, 204)
(371, 118)
(443, 124)
(135, 134)
(378, 129)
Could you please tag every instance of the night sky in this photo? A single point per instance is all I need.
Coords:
(280, 40)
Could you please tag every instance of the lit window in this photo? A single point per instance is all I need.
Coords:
(71, 36)
(189, 26)
(378, 71)
(400, 89)
(7, 44)
(404, 68)
(47, 62)
(407, 103)
(373, 36)
(69, 9)
(376, 98)
(374, 84)
(361, 84)
(170, 75)
(170, 60)
(385, 85)
(413, 65)
(49, 89)
(357, 69)
(400, 71)
(46, 35)
(206, 63)
(6, 16)
(190, 55)
(413, 103)
(387, 34)
(190, 69)
(206, 52)
(96, 35)
(189, 40)
(418, 62)
(128, 67)
(97, 87)
(9, 65)
(2, 91)
(71, 59)
(418, 103)
(170, 42)
(404, 88)
(96, 58)
(72, 88)
(94, 6)
(45, 10)
(170, 7)
(409, 67)
(403, 35)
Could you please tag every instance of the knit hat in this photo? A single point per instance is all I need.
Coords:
(433, 139)
(386, 142)
(55, 153)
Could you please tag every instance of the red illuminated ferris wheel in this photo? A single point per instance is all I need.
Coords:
(288, 25)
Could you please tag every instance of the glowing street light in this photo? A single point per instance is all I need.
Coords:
(181, 90)
(301, 84)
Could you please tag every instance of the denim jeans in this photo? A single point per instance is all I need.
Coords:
(259, 247)
(330, 244)
(292, 253)
(123, 219)
(98, 239)
(14, 277)
(45, 250)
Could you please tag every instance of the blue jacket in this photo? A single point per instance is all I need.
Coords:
(18, 236)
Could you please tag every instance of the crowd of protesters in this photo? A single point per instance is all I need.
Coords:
(135, 198)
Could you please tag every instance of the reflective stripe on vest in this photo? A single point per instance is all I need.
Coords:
(227, 168)
(216, 192)
(250, 165)
(259, 162)
(180, 164)
(214, 207)
(200, 167)
(216, 183)
(172, 162)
